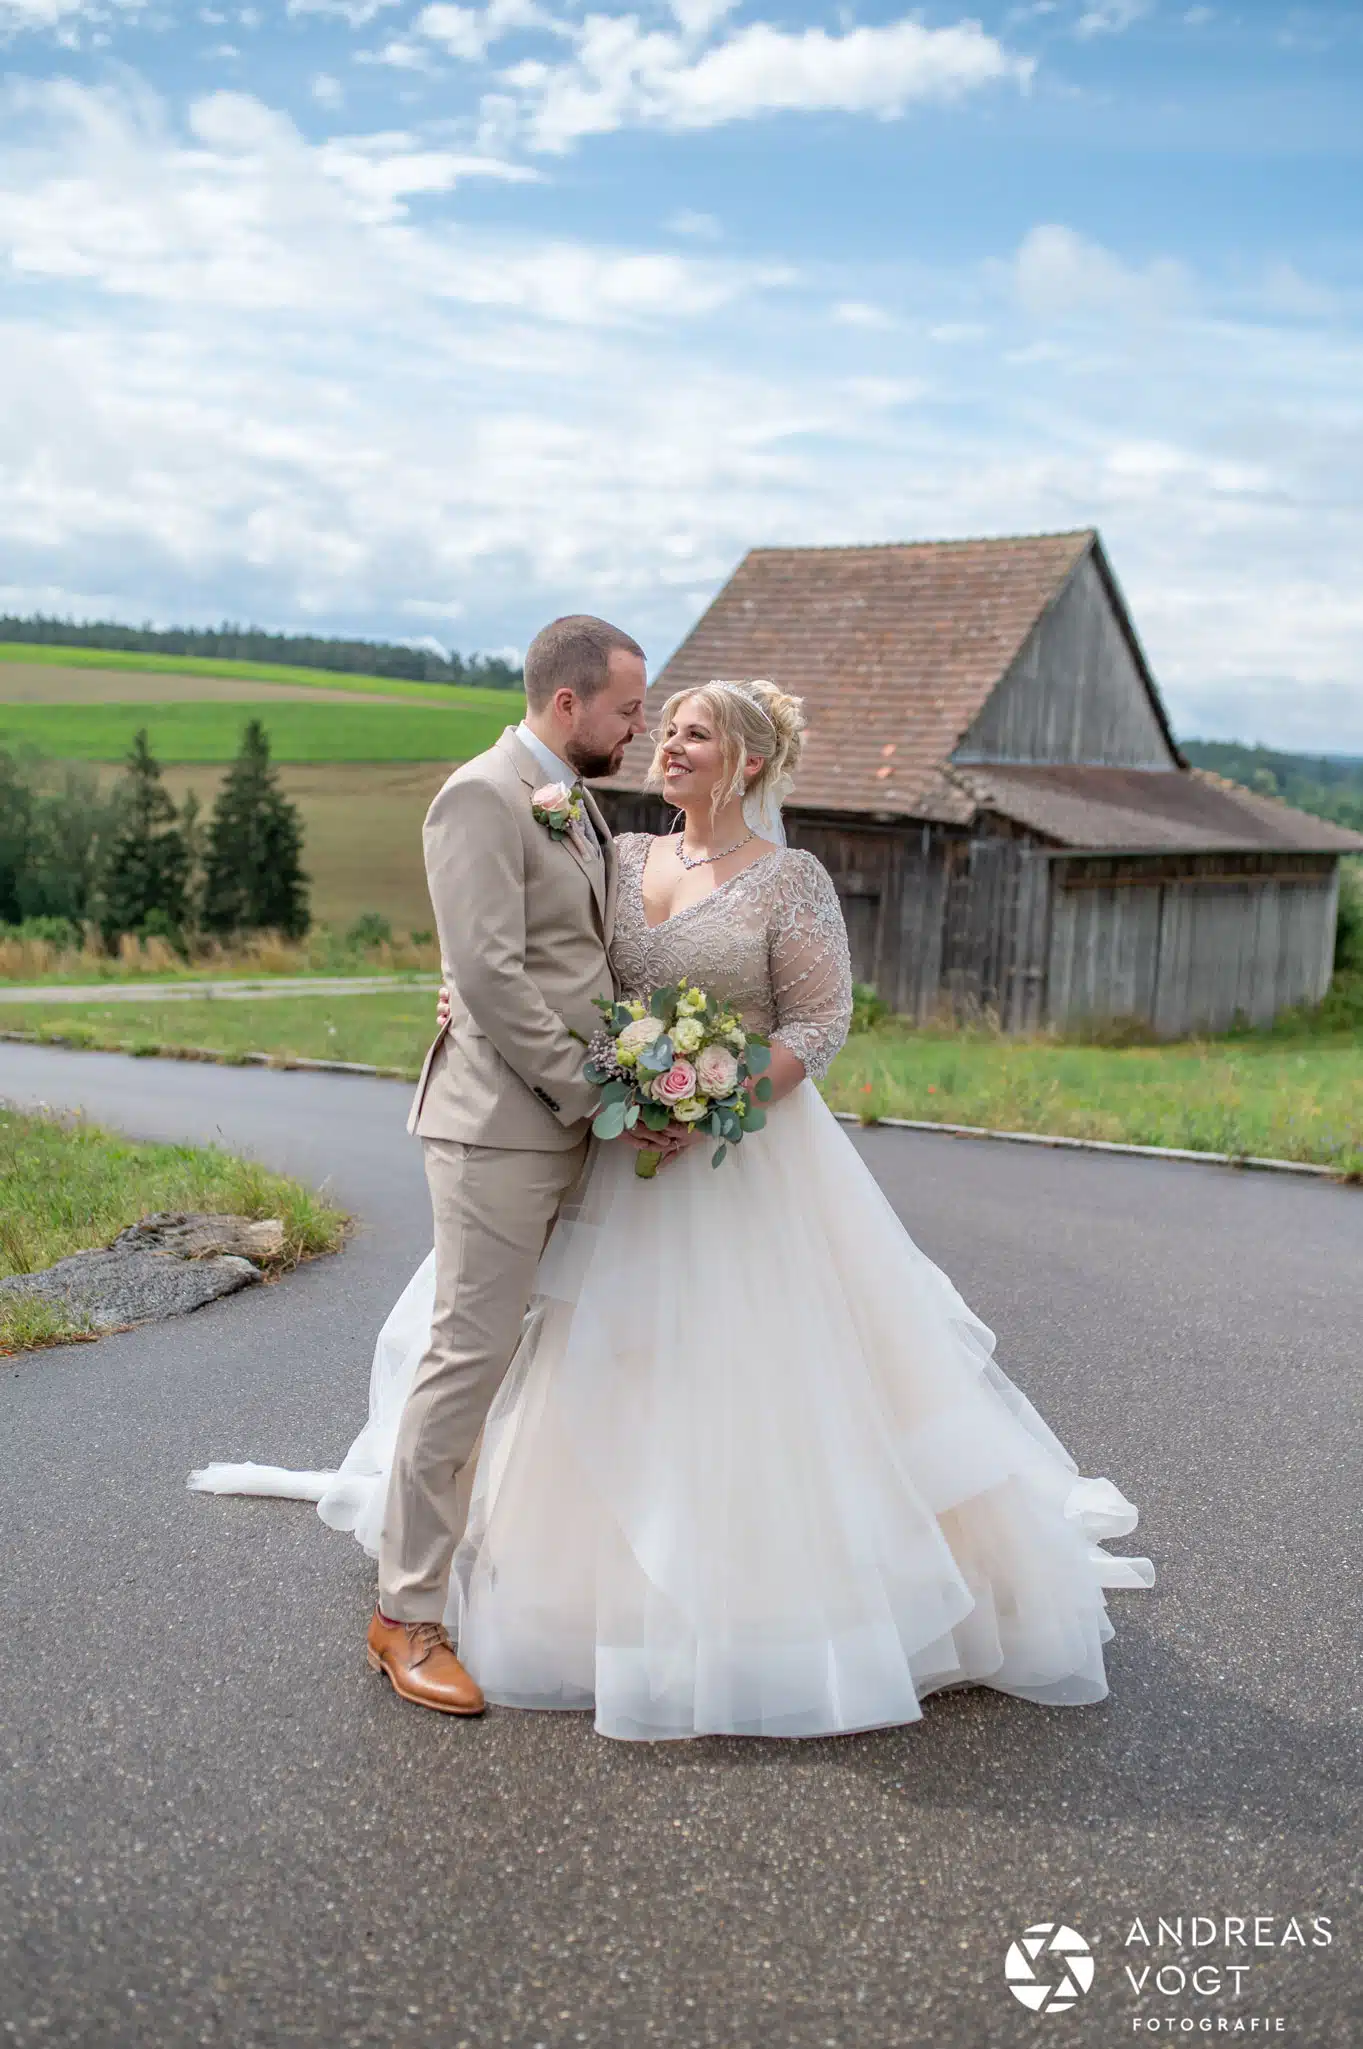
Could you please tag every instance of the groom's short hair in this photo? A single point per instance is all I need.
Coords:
(572, 653)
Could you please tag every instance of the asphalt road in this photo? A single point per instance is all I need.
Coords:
(220, 1827)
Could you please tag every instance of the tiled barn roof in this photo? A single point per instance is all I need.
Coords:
(1142, 810)
(893, 649)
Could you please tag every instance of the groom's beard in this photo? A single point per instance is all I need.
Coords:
(588, 762)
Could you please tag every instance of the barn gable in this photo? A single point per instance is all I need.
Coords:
(992, 783)
(1079, 690)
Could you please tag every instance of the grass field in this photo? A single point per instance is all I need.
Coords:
(1262, 1097)
(362, 826)
(1265, 1097)
(66, 1186)
(383, 1030)
(298, 732)
(39, 683)
(26, 655)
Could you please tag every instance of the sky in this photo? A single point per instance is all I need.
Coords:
(406, 320)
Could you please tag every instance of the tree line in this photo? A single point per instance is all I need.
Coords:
(253, 644)
(1328, 787)
(73, 856)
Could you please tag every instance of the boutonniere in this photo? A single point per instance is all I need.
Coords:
(557, 807)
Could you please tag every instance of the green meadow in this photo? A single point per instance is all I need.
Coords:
(115, 661)
(210, 732)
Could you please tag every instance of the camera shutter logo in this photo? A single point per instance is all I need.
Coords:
(1070, 1956)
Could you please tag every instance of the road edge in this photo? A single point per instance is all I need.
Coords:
(288, 1062)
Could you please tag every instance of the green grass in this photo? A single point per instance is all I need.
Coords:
(1259, 1096)
(211, 732)
(468, 695)
(1263, 1096)
(67, 1186)
(382, 1030)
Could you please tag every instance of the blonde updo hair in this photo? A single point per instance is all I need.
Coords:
(749, 718)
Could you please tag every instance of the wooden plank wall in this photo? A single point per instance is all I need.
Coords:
(944, 923)
(1191, 956)
(1074, 693)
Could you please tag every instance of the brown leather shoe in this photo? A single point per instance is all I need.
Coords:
(419, 1660)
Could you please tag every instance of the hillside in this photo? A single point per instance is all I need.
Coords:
(1328, 786)
(231, 643)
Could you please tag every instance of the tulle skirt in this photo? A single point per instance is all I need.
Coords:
(754, 1469)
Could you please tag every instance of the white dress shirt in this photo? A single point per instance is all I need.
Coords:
(558, 772)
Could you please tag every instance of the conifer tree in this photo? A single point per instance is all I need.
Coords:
(253, 874)
(146, 877)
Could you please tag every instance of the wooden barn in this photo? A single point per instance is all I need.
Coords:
(992, 781)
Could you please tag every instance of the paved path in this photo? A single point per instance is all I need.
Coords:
(240, 991)
(219, 1827)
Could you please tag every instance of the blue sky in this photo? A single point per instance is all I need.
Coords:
(441, 319)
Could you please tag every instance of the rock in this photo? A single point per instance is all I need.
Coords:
(127, 1284)
(197, 1235)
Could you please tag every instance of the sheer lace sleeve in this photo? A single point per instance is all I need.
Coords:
(811, 970)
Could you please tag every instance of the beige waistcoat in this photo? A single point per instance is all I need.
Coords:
(525, 923)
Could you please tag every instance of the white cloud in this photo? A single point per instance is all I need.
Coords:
(469, 32)
(249, 373)
(327, 91)
(860, 313)
(355, 13)
(399, 55)
(700, 227)
(623, 75)
(1110, 17)
(63, 19)
(1058, 272)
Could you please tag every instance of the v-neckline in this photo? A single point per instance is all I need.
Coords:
(643, 908)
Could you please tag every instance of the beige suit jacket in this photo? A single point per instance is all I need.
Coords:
(525, 922)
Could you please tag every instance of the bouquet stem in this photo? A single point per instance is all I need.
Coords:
(646, 1165)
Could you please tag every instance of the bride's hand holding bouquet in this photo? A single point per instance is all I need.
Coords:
(676, 1064)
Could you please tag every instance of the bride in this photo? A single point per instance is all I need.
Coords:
(753, 1468)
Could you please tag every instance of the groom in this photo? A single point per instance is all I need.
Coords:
(524, 912)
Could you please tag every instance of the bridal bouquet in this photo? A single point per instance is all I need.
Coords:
(678, 1057)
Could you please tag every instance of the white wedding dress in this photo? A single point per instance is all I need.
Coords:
(753, 1469)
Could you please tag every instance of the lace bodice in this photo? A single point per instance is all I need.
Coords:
(771, 941)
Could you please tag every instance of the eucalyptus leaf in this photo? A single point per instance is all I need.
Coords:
(631, 1116)
(657, 1058)
(655, 1117)
(758, 1056)
(718, 1155)
(610, 1122)
(615, 1091)
(763, 1090)
(754, 1120)
(663, 1004)
(620, 1017)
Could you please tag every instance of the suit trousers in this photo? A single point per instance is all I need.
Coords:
(494, 1208)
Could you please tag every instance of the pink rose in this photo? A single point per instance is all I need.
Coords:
(676, 1085)
(555, 800)
(716, 1070)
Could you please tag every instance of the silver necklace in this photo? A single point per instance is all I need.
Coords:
(704, 860)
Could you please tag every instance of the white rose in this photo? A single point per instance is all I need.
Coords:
(687, 1034)
(640, 1032)
(717, 1071)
